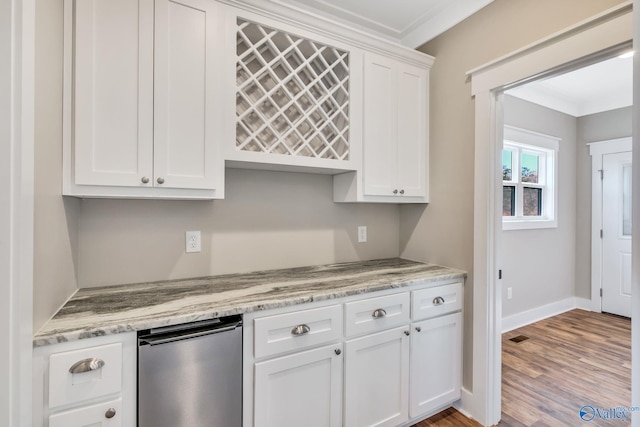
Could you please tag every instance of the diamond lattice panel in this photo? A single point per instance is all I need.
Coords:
(292, 94)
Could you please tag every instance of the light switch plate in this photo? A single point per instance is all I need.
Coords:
(362, 234)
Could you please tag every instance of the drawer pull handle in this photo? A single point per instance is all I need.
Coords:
(379, 313)
(300, 330)
(438, 301)
(86, 365)
(111, 412)
(407, 333)
(338, 351)
(418, 329)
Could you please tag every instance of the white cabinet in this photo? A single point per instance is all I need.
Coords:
(436, 363)
(300, 389)
(85, 383)
(140, 109)
(377, 379)
(395, 136)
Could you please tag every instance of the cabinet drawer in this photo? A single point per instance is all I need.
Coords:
(107, 414)
(297, 330)
(436, 301)
(376, 314)
(66, 387)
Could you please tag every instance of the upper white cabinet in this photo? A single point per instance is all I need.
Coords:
(141, 113)
(395, 147)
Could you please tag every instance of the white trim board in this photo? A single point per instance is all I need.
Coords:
(518, 320)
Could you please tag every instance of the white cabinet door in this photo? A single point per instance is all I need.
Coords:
(413, 117)
(113, 92)
(377, 379)
(301, 389)
(185, 103)
(105, 414)
(436, 363)
(380, 123)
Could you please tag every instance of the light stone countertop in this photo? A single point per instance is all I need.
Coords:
(110, 310)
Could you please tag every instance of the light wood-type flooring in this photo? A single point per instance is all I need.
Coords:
(574, 359)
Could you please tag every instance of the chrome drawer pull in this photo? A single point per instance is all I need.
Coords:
(438, 301)
(379, 313)
(86, 365)
(300, 330)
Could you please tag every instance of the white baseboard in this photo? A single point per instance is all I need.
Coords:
(528, 317)
(462, 405)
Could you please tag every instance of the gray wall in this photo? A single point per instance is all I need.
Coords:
(539, 265)
(443, 231)
(596, 127)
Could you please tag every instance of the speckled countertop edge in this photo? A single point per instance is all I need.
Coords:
(111, 310)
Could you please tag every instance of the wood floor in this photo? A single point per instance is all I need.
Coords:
(577, 358)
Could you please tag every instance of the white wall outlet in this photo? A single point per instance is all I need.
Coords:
(509, 293)
(193, 241)
(362, 234)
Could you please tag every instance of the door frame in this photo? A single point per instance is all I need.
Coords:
(600, 37)
(597, 150)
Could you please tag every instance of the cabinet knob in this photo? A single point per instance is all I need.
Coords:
(379, 313)
(338, 351)
(418, 329)
(160, 180)
(145, 180)
(300, 330)
(401, 191)
(438, 301)
(407, 333)
(395, 191)
(111, 412)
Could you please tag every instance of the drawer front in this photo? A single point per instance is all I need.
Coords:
(436, 301)
(376, 314)
(107, 414)
(298, 330)
(66, 387)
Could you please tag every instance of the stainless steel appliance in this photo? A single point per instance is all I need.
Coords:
(191, 375)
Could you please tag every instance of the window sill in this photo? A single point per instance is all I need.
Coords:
(528, 224)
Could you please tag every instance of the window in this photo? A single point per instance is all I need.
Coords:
(529, 180)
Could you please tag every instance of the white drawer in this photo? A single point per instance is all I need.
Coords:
(436, 301)
(376, 314)
(107, 414)
(297, 330)
(66, 388)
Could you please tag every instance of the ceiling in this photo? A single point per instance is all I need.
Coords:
(604, 86)
(408, 22)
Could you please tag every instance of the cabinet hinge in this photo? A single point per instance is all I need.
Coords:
(600, 292)
(601, 234)
(499, 274)
(601, 173)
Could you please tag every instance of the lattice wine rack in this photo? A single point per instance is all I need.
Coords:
(292, 94)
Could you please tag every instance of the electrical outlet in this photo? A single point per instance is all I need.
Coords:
(193, 241)
(509, 293)
(362, 234)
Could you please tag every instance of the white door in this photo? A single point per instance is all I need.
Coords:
(302, 389)
(377, 379)
(436, 363)
(616, 233)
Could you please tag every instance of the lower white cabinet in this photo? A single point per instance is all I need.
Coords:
(436, 363)
(377, 379)
(99, 415)
(300, 389)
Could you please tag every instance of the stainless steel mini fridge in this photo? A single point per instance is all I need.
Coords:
(191, 375)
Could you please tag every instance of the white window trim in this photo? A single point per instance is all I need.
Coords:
(537, 142)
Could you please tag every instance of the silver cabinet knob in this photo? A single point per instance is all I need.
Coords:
(395, 191)
(145, 180)
(418, 329)
(300, 330)
(338, 351)
(111, 412)
(160, 180)
(401, 191)
(378, 313)
(407, 333)
(438, 301)
(86, 365)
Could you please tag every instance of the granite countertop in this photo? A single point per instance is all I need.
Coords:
(123, 308)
